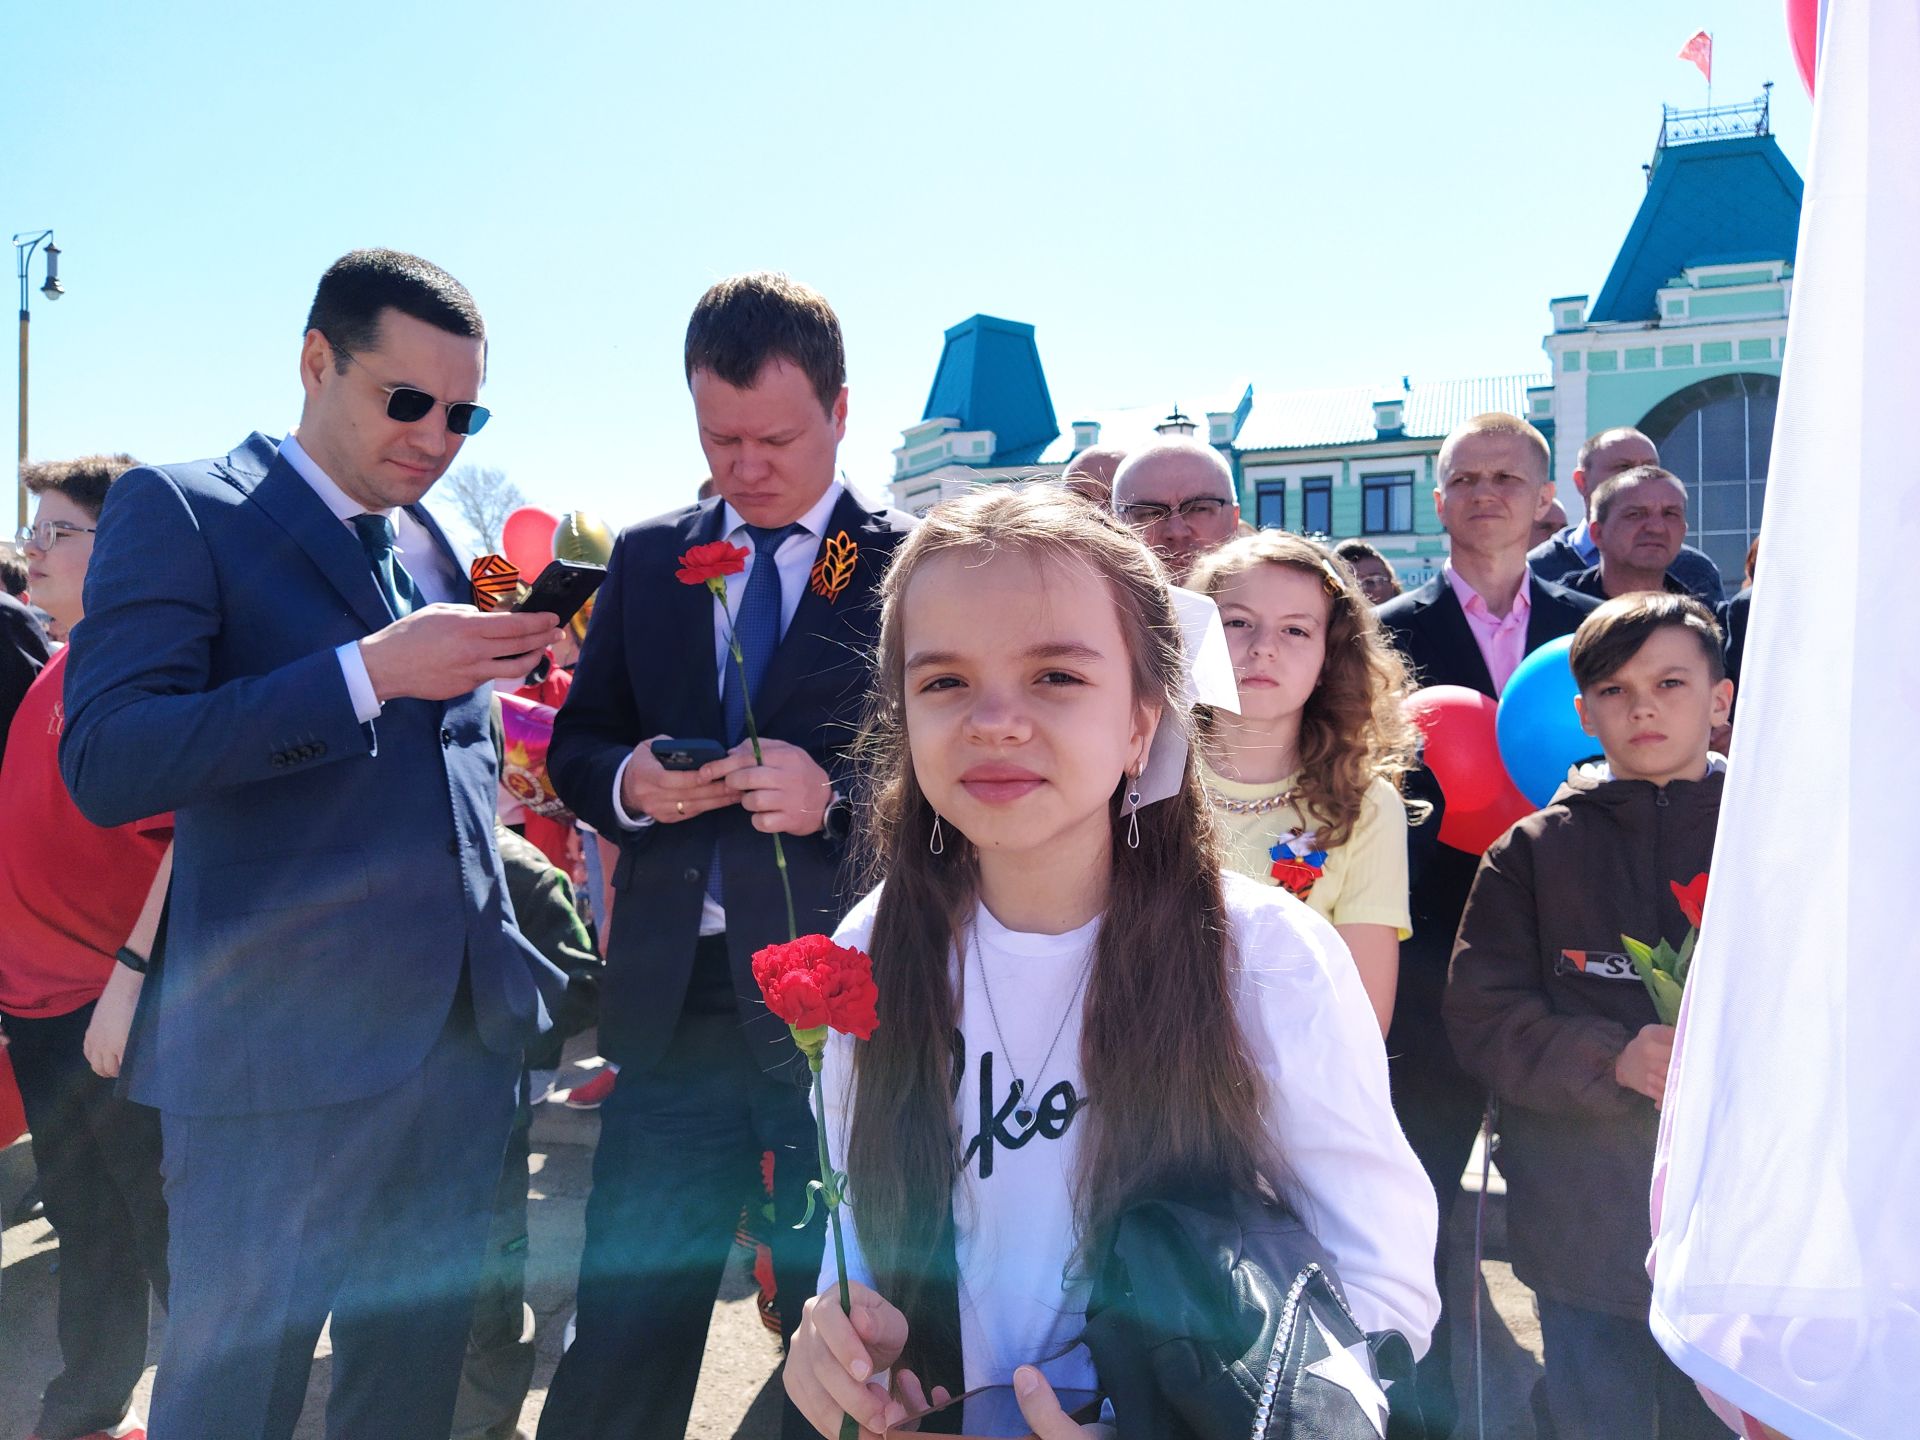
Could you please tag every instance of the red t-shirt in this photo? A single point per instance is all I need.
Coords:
(70, 892)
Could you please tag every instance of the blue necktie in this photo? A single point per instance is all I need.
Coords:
(403, 597)
(756, 627)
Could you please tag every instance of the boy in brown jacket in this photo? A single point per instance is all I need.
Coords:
(1544, 1007)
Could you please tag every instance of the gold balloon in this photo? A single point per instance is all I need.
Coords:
(582, 539)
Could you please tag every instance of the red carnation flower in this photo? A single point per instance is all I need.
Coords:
(704, 564)
(1692, 897)
(814, 984)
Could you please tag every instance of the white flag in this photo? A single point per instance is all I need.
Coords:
(1787, 1200)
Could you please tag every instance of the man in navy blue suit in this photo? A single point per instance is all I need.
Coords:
(276, 649)
(709, 1079)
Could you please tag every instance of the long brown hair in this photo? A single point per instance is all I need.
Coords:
(1354, 729)
(1174, 1098)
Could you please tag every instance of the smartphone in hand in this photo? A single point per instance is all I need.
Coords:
(562, 588)
(687, 754)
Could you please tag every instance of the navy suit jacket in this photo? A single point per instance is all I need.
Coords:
(648, 668)
(1430, 629)
(331, 881)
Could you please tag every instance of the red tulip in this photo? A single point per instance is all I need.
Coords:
(1692, 897)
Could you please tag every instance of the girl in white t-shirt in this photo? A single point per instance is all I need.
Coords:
(1076, 1008)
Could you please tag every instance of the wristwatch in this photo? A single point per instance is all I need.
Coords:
(132, 959)
(837, 819)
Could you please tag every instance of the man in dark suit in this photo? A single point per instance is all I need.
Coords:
(1471, 625)
(709, 1078)
(334, 1038)
(1614, 452)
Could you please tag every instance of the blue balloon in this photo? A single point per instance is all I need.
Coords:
(1537, 726)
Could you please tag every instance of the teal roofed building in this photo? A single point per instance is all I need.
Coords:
(1684, 342)
(988, 408)
(1686, 337)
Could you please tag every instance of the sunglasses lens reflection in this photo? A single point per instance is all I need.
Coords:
(467, 419)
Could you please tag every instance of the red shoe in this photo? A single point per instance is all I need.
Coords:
(591, 1095)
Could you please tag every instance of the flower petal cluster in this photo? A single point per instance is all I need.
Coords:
(812, 983)
(1692, 898)
(704, 564)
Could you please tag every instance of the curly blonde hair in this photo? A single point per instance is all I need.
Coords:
(1354, 729)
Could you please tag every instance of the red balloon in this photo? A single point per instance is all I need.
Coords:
(526, 538)
(1463, 751)
(1803, 33)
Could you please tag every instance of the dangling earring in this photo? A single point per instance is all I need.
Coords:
(1133, 814)
(937, 842)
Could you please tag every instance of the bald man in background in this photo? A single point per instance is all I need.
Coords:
(1180, 496)
(1090, 473)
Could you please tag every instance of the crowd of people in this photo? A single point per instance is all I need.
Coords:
(275, 977)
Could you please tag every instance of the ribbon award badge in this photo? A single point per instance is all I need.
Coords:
(834, 569)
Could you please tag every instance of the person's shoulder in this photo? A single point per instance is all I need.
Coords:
(1404, 607)
(1555, 593)
(1382, 804)
(1554, 550)
(1274, 934)
(671, 523)
(856, 926)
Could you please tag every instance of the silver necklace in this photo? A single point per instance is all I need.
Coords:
(1023, 1107)
(1262, 806)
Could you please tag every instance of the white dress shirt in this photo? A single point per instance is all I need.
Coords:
(794, 560)
(413, 544)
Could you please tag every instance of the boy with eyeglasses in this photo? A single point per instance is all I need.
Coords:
(79, 905)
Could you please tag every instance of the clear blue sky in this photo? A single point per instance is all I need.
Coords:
(1283, 193)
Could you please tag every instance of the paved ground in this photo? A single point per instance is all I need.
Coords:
(738, 1387)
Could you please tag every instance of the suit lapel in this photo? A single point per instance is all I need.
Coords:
(1453, 638)
(290, 502)
(807, 646)
(424, 518)
(690, 613)
(1546, 620)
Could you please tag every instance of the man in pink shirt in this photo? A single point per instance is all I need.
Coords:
(1471, 625)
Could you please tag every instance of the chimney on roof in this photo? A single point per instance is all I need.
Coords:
(1176, 424)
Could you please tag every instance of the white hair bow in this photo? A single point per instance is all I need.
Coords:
(1208, 681)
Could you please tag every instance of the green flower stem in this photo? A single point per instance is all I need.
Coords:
(753, 734)
(849, 1427)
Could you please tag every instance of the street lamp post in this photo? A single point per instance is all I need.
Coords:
(24, 244)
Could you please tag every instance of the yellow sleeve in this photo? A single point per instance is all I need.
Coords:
(1373, 865)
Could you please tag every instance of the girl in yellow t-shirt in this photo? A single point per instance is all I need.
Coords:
(1305, 780)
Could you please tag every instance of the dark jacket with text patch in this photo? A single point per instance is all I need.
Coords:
(1541, 999)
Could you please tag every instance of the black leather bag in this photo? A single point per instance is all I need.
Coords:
(1220, 1318)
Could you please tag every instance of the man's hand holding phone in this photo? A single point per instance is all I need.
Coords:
(443, 651)
(648, 787)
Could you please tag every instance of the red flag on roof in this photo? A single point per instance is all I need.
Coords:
(1700, 51)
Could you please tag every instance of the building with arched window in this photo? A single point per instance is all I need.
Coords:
(1684, 342)
(1686, 337)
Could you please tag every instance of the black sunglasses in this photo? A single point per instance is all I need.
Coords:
(406, 404)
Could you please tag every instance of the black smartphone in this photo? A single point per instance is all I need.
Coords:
(687, 754)
(563, 587)
(993, 1413)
